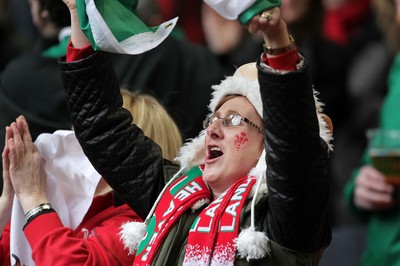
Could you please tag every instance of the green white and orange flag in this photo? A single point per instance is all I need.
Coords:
(114, 26)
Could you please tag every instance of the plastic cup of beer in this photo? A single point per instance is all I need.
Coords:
(384, 150)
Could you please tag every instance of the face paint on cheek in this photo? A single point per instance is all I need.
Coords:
(240, 140)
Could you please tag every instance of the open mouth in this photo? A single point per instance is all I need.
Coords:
(214, 152)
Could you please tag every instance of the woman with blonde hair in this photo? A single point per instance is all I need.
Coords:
(154, 120)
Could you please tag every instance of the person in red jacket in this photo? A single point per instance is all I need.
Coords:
(96, 240)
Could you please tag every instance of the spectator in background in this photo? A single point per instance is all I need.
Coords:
(367, 193)
(374, 240)
(353, 24)
(96, 240)
(342, 19)
(30, 85)
(189, 13)
(8, 46)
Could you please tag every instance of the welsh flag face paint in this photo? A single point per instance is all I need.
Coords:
(114, 26)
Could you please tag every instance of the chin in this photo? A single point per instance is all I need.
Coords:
(209, 177)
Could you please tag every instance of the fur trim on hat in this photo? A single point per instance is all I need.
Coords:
(192, 153)
(237, 85)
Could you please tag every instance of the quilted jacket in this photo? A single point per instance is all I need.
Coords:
(294, 214)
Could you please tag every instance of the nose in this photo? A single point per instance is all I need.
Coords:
(214, 129)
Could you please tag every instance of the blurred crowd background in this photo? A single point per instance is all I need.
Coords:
(350, 45)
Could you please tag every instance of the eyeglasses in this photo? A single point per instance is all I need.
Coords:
(233, 120)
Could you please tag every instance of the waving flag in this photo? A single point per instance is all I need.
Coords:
(243, 10)
(113, 26)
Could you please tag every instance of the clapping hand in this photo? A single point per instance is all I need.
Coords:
(26, 170)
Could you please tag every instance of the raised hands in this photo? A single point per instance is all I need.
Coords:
(372, 192)
(25, 166)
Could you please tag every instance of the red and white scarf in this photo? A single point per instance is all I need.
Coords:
(211, 237)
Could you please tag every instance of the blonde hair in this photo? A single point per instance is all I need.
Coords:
(149, 114)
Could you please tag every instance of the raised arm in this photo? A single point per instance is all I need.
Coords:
(297, 157)
(272, 27)
(131, 163)
(78, 38)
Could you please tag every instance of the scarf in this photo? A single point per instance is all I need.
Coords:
(212, 235)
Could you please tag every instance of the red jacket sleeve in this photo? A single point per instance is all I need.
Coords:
(5, 246)
(286, 61)
(75, 54)
(95, 242)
